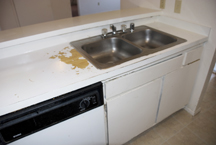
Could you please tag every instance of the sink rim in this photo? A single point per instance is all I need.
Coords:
(79, 43)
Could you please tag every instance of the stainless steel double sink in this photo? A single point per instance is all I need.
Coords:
(116, 49)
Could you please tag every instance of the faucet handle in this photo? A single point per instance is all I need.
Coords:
(131, 27)
(124, 27)
(104, 32)
(113, 28)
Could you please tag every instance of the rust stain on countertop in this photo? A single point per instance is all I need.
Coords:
(74, 60)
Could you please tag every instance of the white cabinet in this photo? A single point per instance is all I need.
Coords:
(132, 112)
(177, 89)
(178, 85)
(139, 99)
(132, 100)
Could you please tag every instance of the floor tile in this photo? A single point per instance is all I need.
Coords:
(206, 106)
(213, 109)
(183, 117)
(148, 138)
(165, 143)
(185, 137)
(210, 97)
(168, 128)
(211, 114)
(211, 91)
(203, 127)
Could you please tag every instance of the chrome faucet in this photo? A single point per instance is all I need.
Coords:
(123, 27)
(131, 27)
(114, 32)
(104, 33)
(113, 29)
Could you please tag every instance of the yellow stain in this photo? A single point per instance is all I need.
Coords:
(66, 48)
(53, 57)
(74, 60)
(61, 53)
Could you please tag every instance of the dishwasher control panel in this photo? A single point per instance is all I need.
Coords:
(88, 102)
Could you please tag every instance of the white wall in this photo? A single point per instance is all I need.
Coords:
(15, 13)
(8, 18)
(37, 11)
(152, 4)
(33, 11)
(196, 11)
(61, 9)
(97, 6)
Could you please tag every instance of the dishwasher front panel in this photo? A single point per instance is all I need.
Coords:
(85, 129)
(28, 121)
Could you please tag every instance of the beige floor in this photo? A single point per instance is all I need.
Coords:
(184, 129)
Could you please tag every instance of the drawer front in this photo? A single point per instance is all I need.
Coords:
(125, 83)
(192, 55)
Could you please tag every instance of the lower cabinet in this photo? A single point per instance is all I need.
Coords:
(176, 89)
(132, 112)
(138, 100)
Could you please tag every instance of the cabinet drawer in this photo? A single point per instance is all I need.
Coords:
(133, 80)
(192, 55)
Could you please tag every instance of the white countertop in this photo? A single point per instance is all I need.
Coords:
(36, 76)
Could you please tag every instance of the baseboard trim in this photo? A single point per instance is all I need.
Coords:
(192, 112)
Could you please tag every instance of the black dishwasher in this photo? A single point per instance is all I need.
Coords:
(21, 123)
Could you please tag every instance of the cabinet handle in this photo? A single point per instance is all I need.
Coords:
(193, 61)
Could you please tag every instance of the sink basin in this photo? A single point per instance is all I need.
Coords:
(111, 50)
(149, 38)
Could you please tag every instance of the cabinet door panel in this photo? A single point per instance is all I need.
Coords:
(133, 112)
(177, 89)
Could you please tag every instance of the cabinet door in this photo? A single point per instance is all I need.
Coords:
(132, 112)
(177, 89)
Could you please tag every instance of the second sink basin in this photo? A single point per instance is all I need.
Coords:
(111, 50)
(149, 38)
